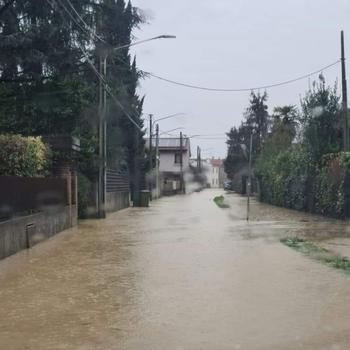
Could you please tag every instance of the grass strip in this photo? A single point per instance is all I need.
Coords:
(318, 253)
(220, 202)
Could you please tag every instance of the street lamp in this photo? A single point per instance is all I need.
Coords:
(169, 116)
(164, 36)
(103, 54)
(152, 122)
(169, 131)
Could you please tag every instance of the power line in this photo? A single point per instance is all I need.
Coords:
(88, 28)
(68, 12)
(108, 89)
(210, 138)
(192, 86)
(106, 86)
(197, 87)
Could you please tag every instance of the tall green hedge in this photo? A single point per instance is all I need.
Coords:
(290, 180)
(331, 185)
(23, 156)
(283, 178)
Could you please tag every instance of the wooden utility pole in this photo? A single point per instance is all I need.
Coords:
(157, 162)
(150, 179)
(345, 96)
(182, 189)
(249, 185)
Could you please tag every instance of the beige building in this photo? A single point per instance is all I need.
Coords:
(215, 172)
(170, 154)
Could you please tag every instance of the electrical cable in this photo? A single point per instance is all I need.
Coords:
(88, 28)
(69, 14)
(193, 86)
(108, 89)
(197, 87)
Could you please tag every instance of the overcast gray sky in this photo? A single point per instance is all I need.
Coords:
(234, 44)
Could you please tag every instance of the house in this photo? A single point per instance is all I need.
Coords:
(215, 173)
(171, 174)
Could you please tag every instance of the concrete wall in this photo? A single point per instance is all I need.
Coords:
(23, 232)
(117, 200)
(167, 162)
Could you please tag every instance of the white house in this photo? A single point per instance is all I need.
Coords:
(170, 154)
(214, 172)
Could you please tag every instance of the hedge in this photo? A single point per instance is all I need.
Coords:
(23, 156)
(292, 181)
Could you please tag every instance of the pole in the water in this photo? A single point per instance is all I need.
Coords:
(249, 175)
(344, 97)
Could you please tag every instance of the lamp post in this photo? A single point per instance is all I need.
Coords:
(102, 126)
(249, 174)
(157, 161)
(182, 188)
(344, 97)
(150, 155)
(169, 131)
(152, 122)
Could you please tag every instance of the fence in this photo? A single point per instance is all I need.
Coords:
(118, 190)
(23, 195)
(117, 181)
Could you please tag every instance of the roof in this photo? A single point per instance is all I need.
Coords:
(170, 143)
(216, 162)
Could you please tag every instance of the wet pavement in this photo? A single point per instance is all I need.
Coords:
(183, 274)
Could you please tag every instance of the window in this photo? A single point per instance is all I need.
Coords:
(178, 158)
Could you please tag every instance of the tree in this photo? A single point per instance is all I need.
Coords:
(321, 121)
(257, 119)
(125, 147)
(284, 128)
(279, 140)
(42, 87)
(257, 122)
(235, 153)
(47, 85)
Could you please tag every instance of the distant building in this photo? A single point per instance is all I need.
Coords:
(170, 163)
(215, 173)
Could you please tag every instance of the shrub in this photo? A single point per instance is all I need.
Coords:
(330, 185)
(290, 181)
(220, 202)
(283, 178)
(23, 156)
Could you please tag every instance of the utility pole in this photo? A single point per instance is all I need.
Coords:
(157, 162)
(198, 157)
(182, 189)
(249, 175)
(102, 139)
(345, 95)
(150, 155)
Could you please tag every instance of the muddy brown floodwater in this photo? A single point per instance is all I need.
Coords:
(182, 274)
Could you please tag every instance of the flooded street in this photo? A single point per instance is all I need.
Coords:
(183, 274)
